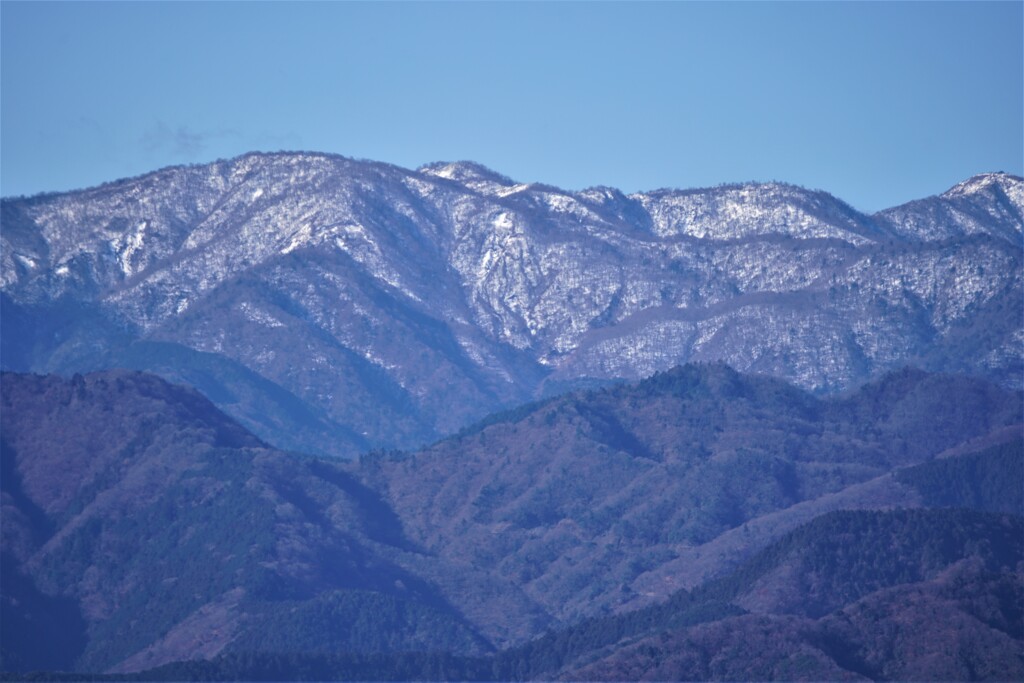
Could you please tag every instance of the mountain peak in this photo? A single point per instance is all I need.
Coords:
(984, 182)
(464, 172)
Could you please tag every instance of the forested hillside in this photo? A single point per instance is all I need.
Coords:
(141, 526)
(928, 595)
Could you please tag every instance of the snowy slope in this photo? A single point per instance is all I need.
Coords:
(336, 305)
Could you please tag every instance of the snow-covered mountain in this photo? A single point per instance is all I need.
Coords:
(335, 305)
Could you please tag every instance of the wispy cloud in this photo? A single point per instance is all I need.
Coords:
(182, 141)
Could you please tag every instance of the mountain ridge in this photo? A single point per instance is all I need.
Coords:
(393, 306)
(470, 168)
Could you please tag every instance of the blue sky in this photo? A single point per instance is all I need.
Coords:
(878, 103)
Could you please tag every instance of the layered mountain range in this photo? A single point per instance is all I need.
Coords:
(332, 305)
(309, 417)
(629, 532)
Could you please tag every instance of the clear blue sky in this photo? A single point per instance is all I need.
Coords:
(878, 103)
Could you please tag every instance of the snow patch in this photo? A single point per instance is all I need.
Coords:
(26, 261)
(513, 190)
(127, 246)
(301, 237)
(259, 316)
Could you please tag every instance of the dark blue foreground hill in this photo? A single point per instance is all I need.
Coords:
(599, 500)
(919, 595)
(141, 525)
(152, 529)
